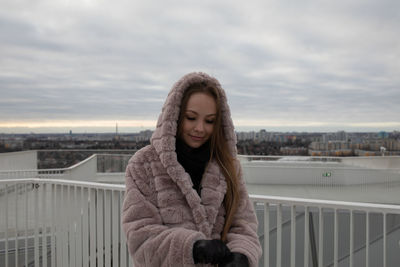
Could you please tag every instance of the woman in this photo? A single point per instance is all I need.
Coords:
(186, 201)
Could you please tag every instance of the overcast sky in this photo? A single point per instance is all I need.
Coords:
(86, 65)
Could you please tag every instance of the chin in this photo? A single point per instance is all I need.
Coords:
(194, 145)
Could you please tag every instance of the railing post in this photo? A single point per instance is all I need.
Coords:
(44, 223)
(124, 257)
(115, 224)
(26, 223)
(279, 235)
(107, 227)
(313, 242)
(92, 226)
(266, 234)
(85, 197)
(6, 224)
(78, 217)
(36, 231)
(293, 237)
(321, 238)
(351, 238)
(16, 225)
(53, 226)
(307, 237)
(64, 223)
(100, 227)
(384, 239)
(367, 239)
(72, 226)
(335, 239)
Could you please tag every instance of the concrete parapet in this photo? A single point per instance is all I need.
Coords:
(22, 160)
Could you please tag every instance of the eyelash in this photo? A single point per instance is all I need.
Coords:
(207, 121)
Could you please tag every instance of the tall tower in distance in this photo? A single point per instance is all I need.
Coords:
(116, 137)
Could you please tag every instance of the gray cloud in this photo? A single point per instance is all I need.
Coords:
(318, 61)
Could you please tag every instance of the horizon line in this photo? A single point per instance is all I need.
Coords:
(62, 123)
(237, 130)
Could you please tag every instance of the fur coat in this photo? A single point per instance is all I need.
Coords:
(163, 215)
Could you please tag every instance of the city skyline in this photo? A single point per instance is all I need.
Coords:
(285, 66)
(262, 142)
(129, 127)
(135, 130)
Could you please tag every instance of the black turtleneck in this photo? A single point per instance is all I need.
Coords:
(193, 160)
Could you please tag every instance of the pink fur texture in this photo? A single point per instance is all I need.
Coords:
(163, 215)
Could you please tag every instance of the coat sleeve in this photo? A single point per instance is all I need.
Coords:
(151, 243)
(242, 236)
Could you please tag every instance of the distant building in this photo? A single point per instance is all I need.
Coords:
(383, 135)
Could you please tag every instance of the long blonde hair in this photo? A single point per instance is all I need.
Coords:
(219, 150)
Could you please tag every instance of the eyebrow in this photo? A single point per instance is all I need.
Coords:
(208, 115)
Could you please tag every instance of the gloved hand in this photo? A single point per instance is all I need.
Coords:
(235, 260)
(210, 251)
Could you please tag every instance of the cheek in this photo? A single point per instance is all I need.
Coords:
(186, 126)
(210, 129)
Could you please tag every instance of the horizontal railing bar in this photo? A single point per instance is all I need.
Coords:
(283, 156)
(117, 155)
(371, 207)
(65, 182)
(110, 173)
(39, 171)
(327, 167)
(86, 150)
(313, 158)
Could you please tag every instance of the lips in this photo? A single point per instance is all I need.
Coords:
(196, 138)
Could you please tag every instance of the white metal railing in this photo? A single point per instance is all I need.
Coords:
(357, 234)
(69, 223)
(61, 223)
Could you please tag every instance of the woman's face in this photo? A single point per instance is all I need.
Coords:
(198, 119)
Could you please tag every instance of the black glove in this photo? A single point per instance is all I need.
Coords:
(235, 260)
(210, 251)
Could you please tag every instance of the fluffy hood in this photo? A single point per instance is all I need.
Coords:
(163, 139)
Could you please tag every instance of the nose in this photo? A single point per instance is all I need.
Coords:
(199, 127)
